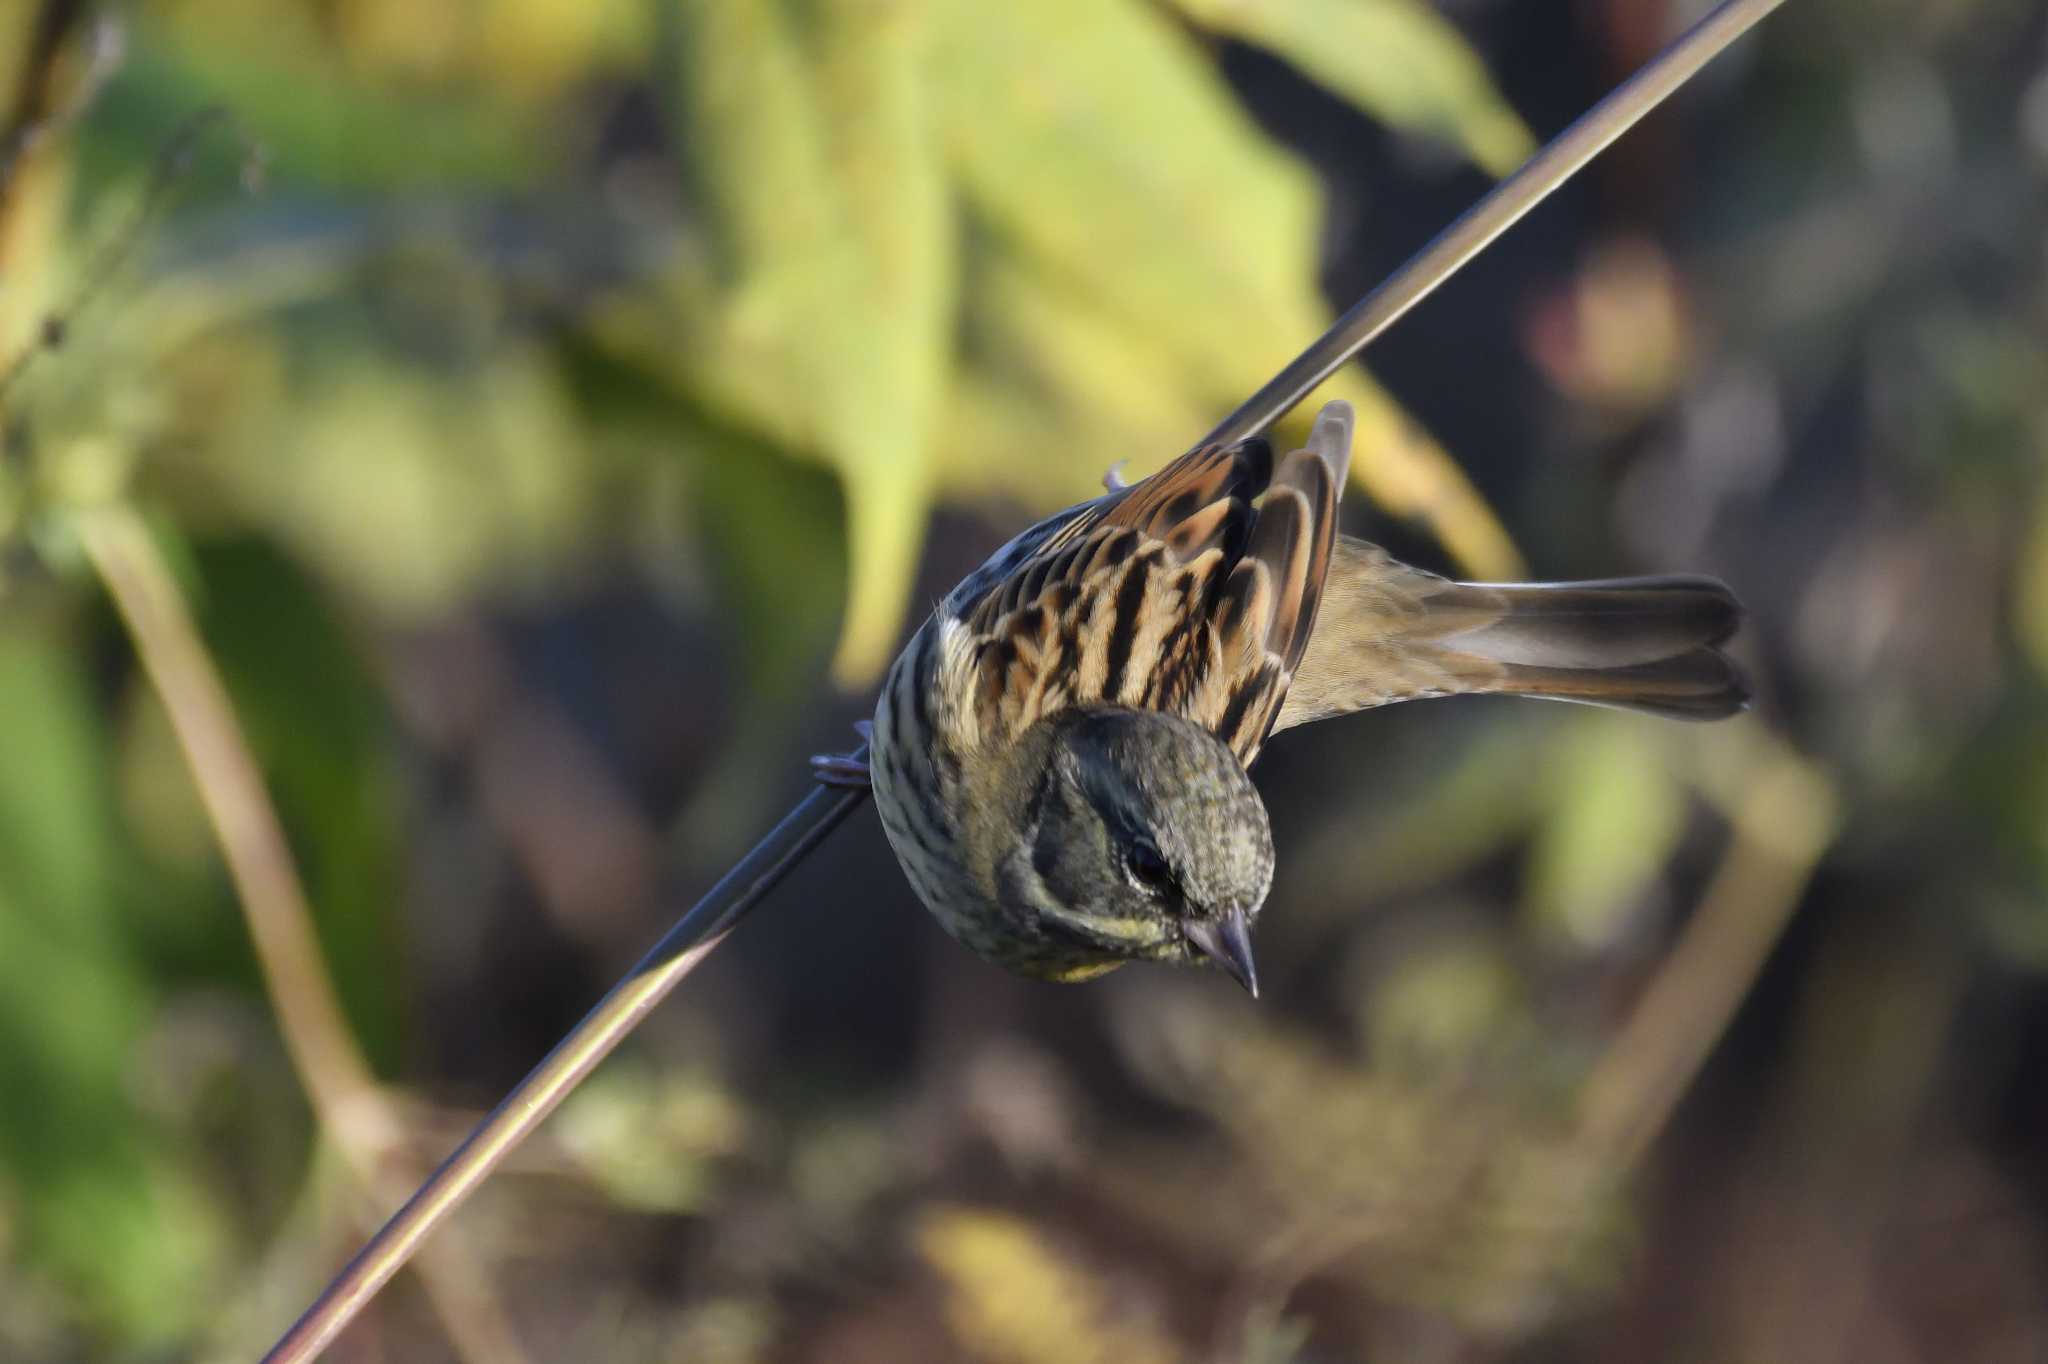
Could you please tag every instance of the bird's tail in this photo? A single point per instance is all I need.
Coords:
(1648, 644)
(1387, 632)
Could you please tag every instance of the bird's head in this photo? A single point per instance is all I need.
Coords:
(1134, 834)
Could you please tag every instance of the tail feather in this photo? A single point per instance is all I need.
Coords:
(1388, 633)
(1615, 623)
(1699, 684)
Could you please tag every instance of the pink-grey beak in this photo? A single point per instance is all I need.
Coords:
(1228, 943)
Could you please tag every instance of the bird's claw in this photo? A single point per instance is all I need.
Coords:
(845, 769)
(842, 770)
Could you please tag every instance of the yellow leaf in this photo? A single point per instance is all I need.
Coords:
(1054, 389)
(1142, 258)
(414, 488)
(1011, 1298)
(1159, 254)
(1098, 142)
(824, 316)
(1619, 815)
(1399, 60)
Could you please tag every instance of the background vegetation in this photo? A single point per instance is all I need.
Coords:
(532, 403)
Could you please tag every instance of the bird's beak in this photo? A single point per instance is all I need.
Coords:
(1228, 943)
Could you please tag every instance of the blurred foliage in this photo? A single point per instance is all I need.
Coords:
(1401, 60)
(91, 1194)
(536, 400)
(884, 194)
(1014, 1298)
(1609, 833)
(1487, 1209)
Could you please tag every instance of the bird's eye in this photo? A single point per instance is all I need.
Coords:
(1148, 865)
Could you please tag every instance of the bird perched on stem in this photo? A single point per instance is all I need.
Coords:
(1059, 756)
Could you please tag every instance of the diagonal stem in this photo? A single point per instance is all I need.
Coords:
(351, 1109)
(1502, 208)
(533, 1098)
(1783, 824)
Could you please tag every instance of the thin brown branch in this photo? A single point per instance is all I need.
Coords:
(1504, 206)
(693, 938)
(1783, 824)
(349, 1106)
(30, 187)
(50, 116)
(40, 112)
(35, 104)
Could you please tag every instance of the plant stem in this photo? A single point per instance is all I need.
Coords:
(1783, 825)
(351, 1109)
(1504, 205)
(592, 1039)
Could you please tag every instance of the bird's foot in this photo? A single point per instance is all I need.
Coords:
(847, 770)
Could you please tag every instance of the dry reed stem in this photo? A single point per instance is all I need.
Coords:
(1783, 824)
(352, 1111)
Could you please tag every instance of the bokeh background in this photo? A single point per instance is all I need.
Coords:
(553, 414)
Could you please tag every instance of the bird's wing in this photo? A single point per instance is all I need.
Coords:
(1193, 592)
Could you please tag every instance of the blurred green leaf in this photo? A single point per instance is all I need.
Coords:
(1131, 189)
(1096, 141)
(653, 1140)
(97, 1209)
(1399, 60)
(1143, 258)
(1442, 809)
(1011, 1296)
(1052, 389)
(415, 484)
(1471, 1201)
(1138, 258)
(315, 719)
(318, 123)
(17, 23)
(2030, 592)
(1143, 254)
(777, 537)
(528, 48)
(1618, 815)
(821, 317)
(1447, 1002)
(775, 532)
(1278, 1339)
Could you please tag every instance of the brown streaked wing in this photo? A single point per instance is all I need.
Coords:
(1180, 594)
(1266, 610)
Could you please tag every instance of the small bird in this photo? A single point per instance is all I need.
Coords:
(1059, 755)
